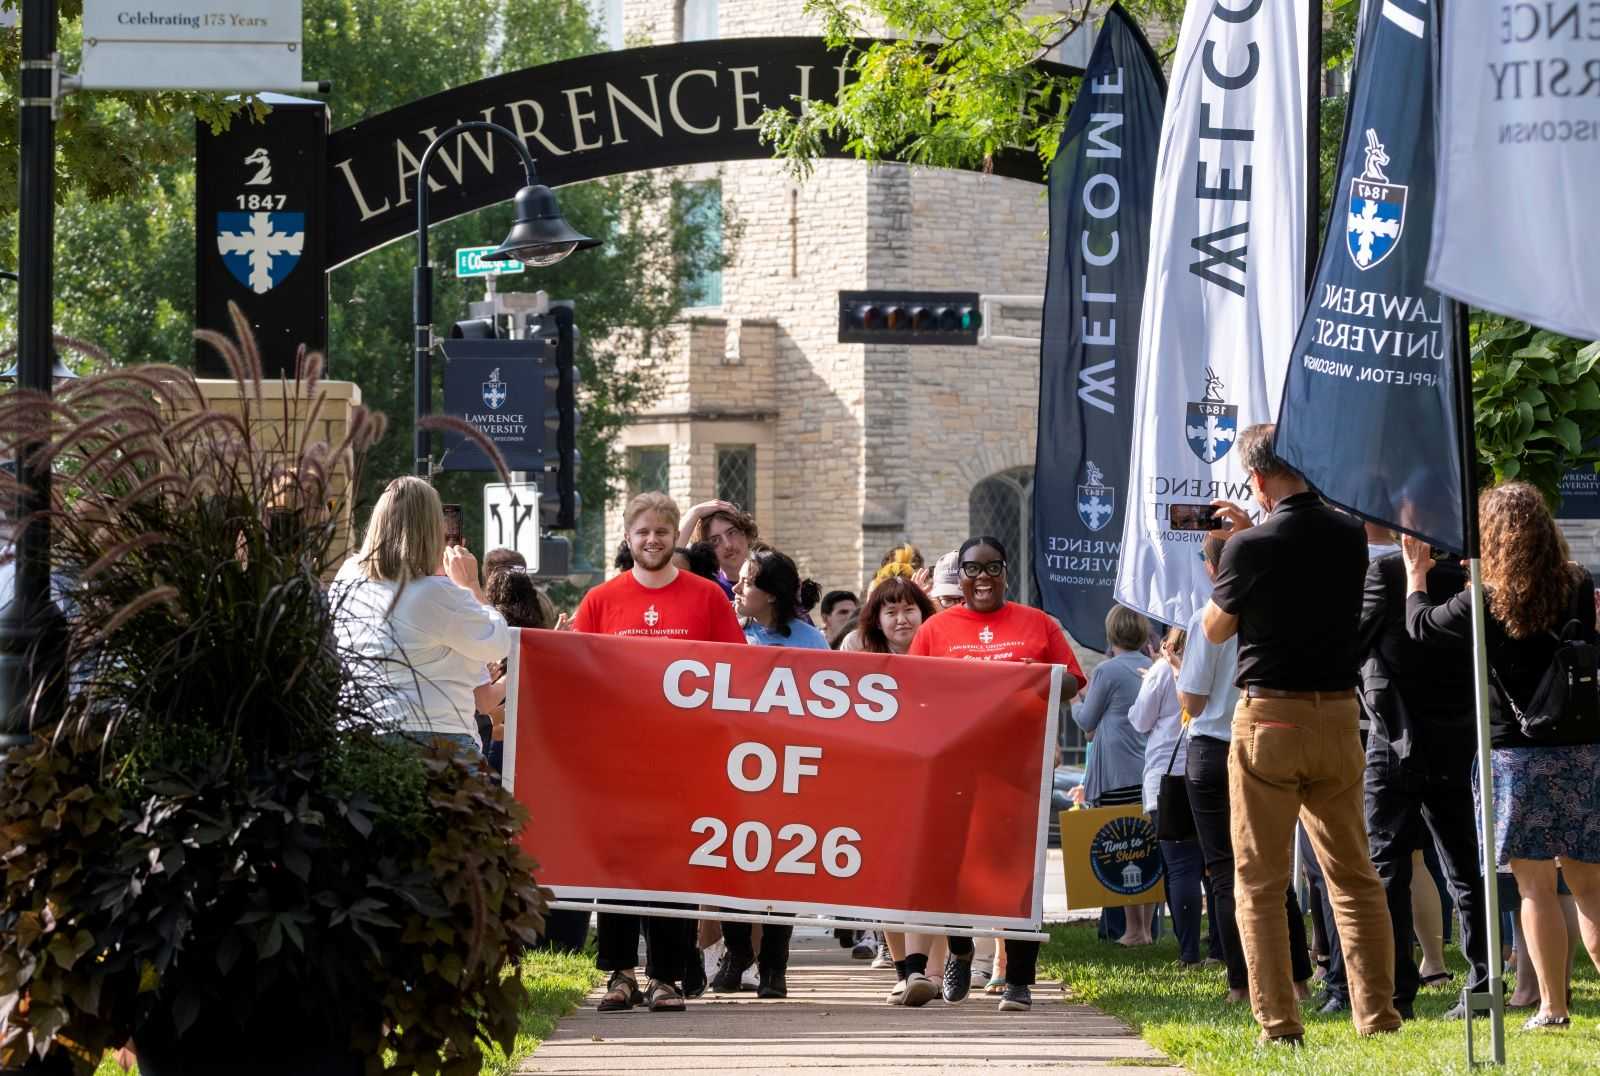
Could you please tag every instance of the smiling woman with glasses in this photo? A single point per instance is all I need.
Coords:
(986, 628)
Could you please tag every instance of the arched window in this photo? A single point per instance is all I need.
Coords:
(1001, 506)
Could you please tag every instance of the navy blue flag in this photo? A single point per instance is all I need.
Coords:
(499, 386)
(1369, 411)
(1580, 494)
(1101, 183)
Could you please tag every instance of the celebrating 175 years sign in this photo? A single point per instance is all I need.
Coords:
(771, 779)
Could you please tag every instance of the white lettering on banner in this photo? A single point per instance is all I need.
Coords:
(829, 700)
(1224, 292)
(840, 857)
(795, 767)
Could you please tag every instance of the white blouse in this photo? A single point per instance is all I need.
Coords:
(429, 650)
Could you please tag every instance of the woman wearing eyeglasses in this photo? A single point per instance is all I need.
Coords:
(987, 628)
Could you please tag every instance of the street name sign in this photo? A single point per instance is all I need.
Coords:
(469, 262)
(511, 520)
(190, 45)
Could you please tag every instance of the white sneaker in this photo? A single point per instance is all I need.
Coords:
(751, 978)
(713, 958)
(884, 959)
(919, 990)
(897, 996)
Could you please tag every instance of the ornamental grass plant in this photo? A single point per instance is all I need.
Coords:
(210, 840)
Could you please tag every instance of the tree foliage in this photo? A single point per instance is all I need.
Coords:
(1536, 400)
(125, 225)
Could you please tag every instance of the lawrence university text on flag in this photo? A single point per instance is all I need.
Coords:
(1516, 229)
(1100, 186)
(1225, 289)
(1369, 412)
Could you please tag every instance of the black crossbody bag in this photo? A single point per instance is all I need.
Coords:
(1565, 706)
(1174, 816)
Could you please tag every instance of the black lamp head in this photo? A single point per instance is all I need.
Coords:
(541, 235)
(61, 372)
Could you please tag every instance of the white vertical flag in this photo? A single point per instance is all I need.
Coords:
(1226, 285)
(1514, 225)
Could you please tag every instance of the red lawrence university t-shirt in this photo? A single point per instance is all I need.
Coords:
(1012, 633)
(689, 608)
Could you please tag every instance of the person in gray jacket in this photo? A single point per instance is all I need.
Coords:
(1115, 771)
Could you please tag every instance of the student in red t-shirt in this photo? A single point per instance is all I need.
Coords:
(652, 600)
(988, 628)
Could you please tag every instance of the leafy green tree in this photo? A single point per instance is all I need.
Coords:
(125, 227)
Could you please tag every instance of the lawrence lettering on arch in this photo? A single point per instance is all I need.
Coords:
(582, 118)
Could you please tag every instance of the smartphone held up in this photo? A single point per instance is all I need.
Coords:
(452, 525)
(1195, 517)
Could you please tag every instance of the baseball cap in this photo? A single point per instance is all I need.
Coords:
(947, 576)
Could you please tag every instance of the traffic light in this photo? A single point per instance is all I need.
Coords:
(909, 317)
(474, 329)
(558, 484)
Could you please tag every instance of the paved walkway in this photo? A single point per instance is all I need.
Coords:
(835, 1021)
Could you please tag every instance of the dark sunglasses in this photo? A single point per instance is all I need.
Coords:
(972, 569)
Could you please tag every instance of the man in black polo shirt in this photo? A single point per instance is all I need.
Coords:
(1291, 589)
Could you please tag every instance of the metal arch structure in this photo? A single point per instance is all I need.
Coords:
(584, 118)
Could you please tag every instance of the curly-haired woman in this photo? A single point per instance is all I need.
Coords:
(1546, 792)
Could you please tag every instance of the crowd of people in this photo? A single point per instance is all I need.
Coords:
(1241, 734)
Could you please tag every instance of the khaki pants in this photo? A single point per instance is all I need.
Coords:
(1302, 758)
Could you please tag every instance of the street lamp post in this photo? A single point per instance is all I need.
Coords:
(30, 626)
(540, 236)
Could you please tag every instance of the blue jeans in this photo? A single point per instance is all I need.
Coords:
(1185, 865)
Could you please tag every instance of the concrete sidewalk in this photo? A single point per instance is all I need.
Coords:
(835, 1021)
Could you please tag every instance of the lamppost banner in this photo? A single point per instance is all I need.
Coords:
(1224, 293)
(1369, 404)
(757, 778)
(1100, 187)
(1515, 229)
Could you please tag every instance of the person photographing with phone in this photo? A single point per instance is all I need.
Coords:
(410, 608)
(1296, 742)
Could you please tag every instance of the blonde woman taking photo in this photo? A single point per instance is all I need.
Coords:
(410, 609)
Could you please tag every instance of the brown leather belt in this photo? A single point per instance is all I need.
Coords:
(1256, 691)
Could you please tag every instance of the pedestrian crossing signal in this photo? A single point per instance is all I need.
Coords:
(881, 317)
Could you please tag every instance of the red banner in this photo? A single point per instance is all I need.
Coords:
(899, 789)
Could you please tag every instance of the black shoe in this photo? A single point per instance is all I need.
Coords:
(773, 985)
(1405, 1010)
(729, 971)
(694, 977)
(1333, 1007)
(1018, 998)
(957, 977)
(845, 938)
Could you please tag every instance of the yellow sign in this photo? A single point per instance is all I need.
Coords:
(1111, 858)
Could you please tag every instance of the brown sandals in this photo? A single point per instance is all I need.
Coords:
(663, 997)
(622, 994)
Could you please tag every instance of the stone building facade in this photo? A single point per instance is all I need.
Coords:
(845, 450)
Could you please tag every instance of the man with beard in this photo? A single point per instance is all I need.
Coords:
(653, 599)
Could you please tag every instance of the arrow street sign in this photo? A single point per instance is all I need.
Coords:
(469, 262)
(511, 520)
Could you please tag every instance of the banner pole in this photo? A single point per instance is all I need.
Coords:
(1313, 139)
(1493, 1000)
(791, 919)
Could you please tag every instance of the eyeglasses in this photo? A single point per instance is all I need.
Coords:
(993, 568)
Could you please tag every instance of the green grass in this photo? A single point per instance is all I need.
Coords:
(556, 983)
(1181, 1013)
